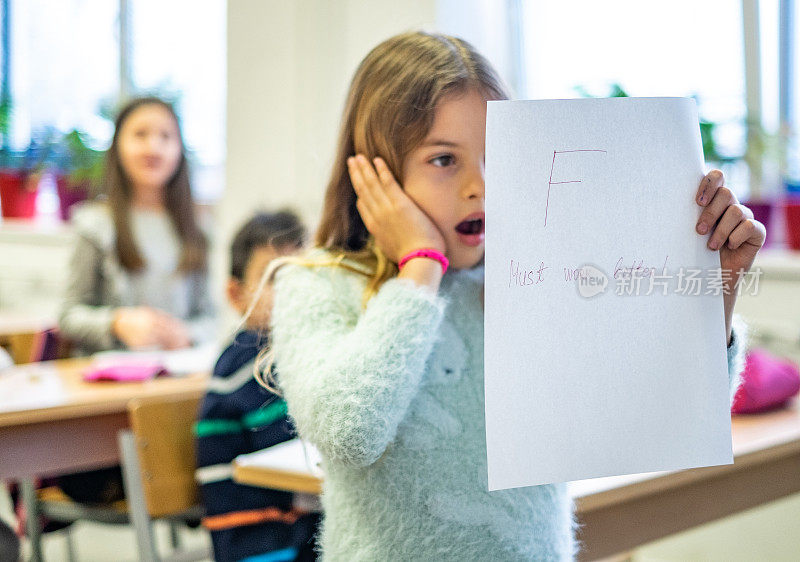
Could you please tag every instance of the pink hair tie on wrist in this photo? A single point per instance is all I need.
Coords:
(425, 253)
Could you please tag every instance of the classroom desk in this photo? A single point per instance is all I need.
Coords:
(51, 422)
(619, 513)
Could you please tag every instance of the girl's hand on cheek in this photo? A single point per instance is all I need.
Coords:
(398, 225)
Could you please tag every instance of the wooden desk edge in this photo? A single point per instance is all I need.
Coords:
(191, 385)
(72, 411)
(310, 484)
(277, 479)
(672, 480)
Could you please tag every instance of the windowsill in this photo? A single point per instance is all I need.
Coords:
(47, 230)
(779, 262)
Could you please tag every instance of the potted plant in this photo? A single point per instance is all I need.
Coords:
(77, 168)
(18, 185)
(80, 170)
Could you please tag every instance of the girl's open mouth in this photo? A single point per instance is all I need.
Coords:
(471, 230)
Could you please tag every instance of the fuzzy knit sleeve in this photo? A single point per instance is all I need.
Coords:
(736, 354)
(85, 317)
(202, 321)
(349, 376)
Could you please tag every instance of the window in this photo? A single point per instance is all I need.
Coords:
(65, 71)
(183, 56)
(677, 48)
(63, 65)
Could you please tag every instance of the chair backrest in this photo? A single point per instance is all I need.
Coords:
(49, 345)
(165, 446)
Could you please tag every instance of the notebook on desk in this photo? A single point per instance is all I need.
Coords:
(293, 456)
(150, 363)
(31, 386)
(124, 370)
(293, 466)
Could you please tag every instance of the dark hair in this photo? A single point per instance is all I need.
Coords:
(280, 230)
(177, 200)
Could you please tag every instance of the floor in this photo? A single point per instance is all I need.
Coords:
(95, 542)
(765, 533)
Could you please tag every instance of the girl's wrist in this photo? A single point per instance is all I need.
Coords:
(424, 272)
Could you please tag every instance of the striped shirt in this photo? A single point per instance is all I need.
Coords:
(238, 416)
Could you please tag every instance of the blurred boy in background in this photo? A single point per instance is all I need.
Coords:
(239, 416)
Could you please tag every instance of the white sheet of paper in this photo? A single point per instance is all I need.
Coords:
(294, 455)
(32, 386)
(177, 362)
(593, 377)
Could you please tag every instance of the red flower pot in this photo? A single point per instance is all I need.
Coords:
(69, 195)
(792, 211)
(762, 212)
(17, 194)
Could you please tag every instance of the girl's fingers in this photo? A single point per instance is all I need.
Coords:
(163, 328)
(747, 232)
(708, 187)
(355, 176)
(363, 192)
(371, 180)
(731, 218)
(159, 334)
(366, 216)
(387, 178)
(723, 198)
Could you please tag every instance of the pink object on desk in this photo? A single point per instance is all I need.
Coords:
(768, 382)
(129, 371)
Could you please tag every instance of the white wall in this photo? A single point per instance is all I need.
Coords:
(289, 66)
(492, 28)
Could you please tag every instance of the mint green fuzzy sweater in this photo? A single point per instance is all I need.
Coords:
(392, 396)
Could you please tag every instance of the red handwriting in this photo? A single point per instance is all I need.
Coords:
(524, 277)
(574, 274)
(551, 183)
(636, 269)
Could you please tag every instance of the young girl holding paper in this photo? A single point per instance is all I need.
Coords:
(378, 334)
(138, 271)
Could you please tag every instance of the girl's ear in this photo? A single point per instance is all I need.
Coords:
(234, 290)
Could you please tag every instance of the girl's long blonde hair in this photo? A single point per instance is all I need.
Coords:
(389, 110)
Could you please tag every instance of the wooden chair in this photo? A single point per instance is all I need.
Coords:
(31, 347)
(49, 345)
(158, 465)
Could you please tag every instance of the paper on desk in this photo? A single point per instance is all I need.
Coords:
(581, 381)
(195, 359)
(290, 456)
(32, 386)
